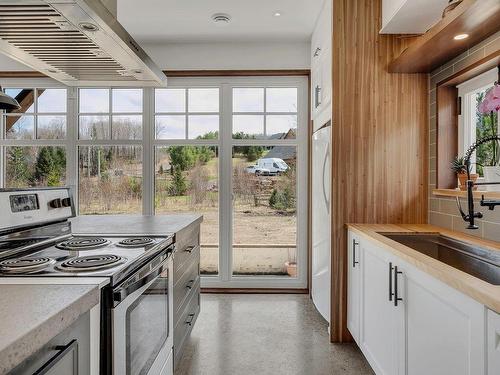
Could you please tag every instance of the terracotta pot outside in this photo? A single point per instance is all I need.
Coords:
(462, 177)
(291, 269)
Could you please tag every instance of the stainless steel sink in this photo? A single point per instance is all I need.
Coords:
(474, 260)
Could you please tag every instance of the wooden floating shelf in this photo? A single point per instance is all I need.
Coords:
(477, 18)
(463, 194)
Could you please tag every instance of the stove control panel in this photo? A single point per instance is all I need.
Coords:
(24, 202)
(27, 207)
(60, 202)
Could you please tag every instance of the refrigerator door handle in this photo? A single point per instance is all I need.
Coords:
(325, 197)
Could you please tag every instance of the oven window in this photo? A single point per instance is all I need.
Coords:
(147, 327)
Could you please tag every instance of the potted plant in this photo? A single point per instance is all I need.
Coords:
(291, 264)
(459, 167)
(490, 106)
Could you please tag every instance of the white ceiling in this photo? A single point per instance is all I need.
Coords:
(170, 21)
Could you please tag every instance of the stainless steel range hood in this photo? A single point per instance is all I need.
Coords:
(77, 42)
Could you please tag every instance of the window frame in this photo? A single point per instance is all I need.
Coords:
(224, 143)
(42, 83)
(467, 117)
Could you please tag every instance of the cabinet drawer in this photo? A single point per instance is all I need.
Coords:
(185, 249)
(185, 323)
(67, 354)
(188, 256)
(184, 288)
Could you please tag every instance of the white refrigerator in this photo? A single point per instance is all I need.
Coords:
(321, 223)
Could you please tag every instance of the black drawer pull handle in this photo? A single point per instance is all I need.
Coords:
(189, 249)
(62, 351)
(189, 284)
(391, 293)
(354, 262)
(396, 298)
(189, 322)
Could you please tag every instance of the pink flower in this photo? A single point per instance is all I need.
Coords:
(491, 101)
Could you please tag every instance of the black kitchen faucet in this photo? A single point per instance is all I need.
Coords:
(491, 204)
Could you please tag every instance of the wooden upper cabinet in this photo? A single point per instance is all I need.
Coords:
(477, 18)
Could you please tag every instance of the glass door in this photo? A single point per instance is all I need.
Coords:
(235, 150)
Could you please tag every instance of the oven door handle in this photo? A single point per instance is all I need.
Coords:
(120, 294)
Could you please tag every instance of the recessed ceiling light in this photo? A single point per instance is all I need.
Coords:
(461, 36)
(277, 14)
(221, 18)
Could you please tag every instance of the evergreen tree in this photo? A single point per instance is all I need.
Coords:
(252, 153)
(182, 157)
(60, 160)
(178, 185)
(45, 165)
(17, 167)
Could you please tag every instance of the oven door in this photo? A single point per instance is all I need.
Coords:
(142, 320)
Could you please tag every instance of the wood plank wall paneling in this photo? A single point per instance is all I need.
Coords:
(379, 137)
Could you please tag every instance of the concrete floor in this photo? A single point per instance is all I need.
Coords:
(265, 334)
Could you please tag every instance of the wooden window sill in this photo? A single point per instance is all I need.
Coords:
(463, 194)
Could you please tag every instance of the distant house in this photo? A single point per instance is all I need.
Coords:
(286, 153)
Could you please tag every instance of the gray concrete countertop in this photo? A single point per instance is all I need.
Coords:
(31, 315)
(134, 224)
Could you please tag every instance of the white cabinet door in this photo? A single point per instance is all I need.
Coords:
(321, 66)
(493, 343)
(379, 318)
(353, 285)
(320, 222)
(326, 76)
(445, 329)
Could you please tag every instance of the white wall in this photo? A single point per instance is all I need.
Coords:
(226, 56)
(192, 56)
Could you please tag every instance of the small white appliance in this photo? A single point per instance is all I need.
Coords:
(321, 239)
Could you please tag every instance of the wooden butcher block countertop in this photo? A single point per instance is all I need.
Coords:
(482, 291)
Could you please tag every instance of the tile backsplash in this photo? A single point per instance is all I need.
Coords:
(443, 211)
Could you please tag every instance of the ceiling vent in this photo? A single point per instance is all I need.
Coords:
(77, 42)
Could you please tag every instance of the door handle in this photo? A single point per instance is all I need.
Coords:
(354, 261)
(61, 352)
(317, 93)
(325, 197)
(189, 249)
(189, 322)
(189, 284)
(316, 52)
(391, 293)
(396, 296)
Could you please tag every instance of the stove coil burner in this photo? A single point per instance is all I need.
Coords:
(89, 243)
(25, 265)
(91, 263)
(135, 242)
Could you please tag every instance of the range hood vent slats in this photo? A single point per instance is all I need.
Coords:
(46, 35)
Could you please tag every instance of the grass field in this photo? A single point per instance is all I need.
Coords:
(253, 224)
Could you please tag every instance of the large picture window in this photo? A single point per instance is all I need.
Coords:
(110, 165)
(233, 149)
(474, 125)
(34, 137)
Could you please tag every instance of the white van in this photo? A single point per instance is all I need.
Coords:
(268, 166)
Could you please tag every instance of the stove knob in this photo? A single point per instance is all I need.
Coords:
(66, 202)
(56, 203)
